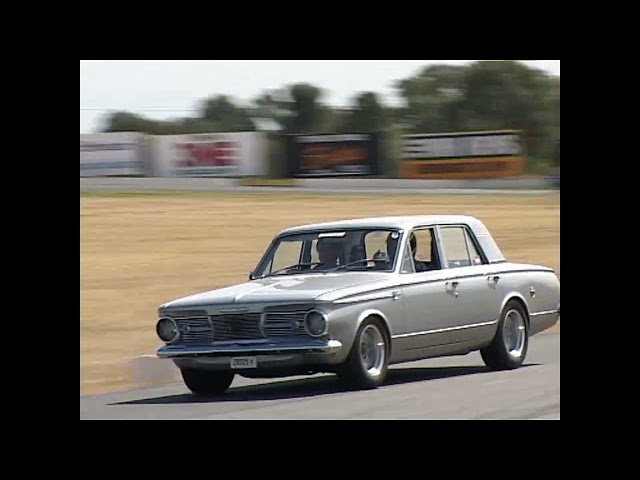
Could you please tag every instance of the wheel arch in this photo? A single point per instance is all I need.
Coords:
(518, 298)
(375, 313)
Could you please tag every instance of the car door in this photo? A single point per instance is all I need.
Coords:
(427, 304)
(475, 298)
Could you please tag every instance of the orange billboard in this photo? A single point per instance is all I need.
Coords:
(489, 154)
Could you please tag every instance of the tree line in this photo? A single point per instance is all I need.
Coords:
(484, 95)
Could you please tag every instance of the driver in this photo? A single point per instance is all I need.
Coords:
(328, 254)
(423, 266)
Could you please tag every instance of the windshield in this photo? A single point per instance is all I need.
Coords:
(339, 250)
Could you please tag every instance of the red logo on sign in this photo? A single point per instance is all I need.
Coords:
(209, 154)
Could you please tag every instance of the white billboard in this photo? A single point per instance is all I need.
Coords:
(113, 153)
(460, 145)
(210, 155)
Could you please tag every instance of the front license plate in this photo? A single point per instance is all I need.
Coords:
(244, 362)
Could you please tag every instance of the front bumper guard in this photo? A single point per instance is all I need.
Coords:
(313, 346)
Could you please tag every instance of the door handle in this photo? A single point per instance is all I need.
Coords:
(396, 295)
(493, 278)
(452, 286)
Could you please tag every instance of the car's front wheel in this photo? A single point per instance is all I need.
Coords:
(368, 361)
(511, 342)
(203, 382)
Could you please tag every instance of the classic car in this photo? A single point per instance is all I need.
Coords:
(353, 297)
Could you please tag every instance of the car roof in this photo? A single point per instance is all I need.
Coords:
(403, 222)
(407, 222)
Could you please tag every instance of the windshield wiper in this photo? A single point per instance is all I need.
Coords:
(362, 260)
(297, 265)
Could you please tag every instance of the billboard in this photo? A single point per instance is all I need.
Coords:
(491, 154)
(329, 155)
(210, 155)
(113, 153)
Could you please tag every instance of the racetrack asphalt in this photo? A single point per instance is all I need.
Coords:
(447, 388)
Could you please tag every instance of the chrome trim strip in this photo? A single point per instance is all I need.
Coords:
(224, 343)
(365, 297)
(315, 346)
(414, 279)
(546, 312)
(442, 330)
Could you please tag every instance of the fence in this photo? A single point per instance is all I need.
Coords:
(240, 154)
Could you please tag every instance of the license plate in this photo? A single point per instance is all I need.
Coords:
(244, 362)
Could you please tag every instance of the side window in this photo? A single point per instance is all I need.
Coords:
(422, 249)
(458, 248)
(424, 239)
(287, 253)
(476, 258)
(407, 261)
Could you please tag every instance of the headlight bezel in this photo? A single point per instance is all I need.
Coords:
(325, 319)
(175, 327)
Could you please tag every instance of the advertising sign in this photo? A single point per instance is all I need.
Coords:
(333, 155)
(210, 155)
(462, 155)
(113, 153)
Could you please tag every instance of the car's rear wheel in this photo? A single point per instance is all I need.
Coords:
(509, 347)
(368, 361)
(203, 382)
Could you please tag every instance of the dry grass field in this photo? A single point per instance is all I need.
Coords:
(139, 251)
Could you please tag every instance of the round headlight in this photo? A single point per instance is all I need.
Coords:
(167, 330)
(316, 323)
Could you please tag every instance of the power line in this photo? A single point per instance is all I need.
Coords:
(152, 109)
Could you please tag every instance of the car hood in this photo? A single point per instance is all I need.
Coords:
(290, 288)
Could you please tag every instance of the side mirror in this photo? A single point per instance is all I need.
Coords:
(250, 275)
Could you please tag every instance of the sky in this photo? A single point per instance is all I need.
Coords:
(162, 89)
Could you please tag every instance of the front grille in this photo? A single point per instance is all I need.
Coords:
(279, 325)
(197, 328)
(195, 331)
(236, 326)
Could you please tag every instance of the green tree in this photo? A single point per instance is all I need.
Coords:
(368, 115)
(433, 99)
(486, 95)
(505, 95)
(295, 109)
(224, 115)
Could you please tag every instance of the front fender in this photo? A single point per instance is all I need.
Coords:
(345, 322)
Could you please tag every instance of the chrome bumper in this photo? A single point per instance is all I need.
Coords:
(264, 348)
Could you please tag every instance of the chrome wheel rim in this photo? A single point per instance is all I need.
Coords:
(514, 333)
(372, 350)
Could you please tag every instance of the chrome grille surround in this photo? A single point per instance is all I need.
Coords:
(282, 322)
(194, 327)
(285, 325)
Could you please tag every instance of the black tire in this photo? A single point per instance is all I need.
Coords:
(353, 372)
(203, 382)
(503, 353)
